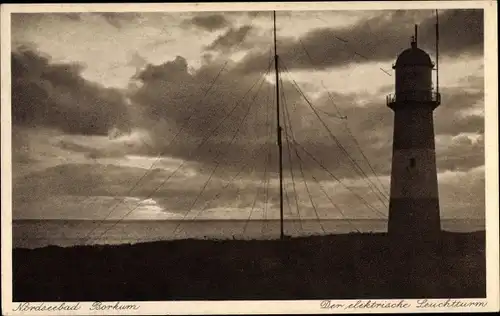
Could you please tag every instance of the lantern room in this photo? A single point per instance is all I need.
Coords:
(413, 69)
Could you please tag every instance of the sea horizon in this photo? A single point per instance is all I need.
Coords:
(33, 233)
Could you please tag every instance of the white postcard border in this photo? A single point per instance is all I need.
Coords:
(257, 307)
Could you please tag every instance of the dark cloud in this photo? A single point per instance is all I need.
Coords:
(460, 31)
(474, 82)
(366, 133)
(173, 105)
(174, 100)
(20, 148)
(88, 180)
(115, 19)
(210, 22)
(230, 38)
(254, 14)
(170, 71)
(170, 93)
(56, 95)
(137, 61)
(379, 38)
(91, 152)
(461, 154)
(371, 124)
(71, 16)
(118, 19)
(78, 179)
(171, 100)
(454, 115)
(32, 19)
(112, 180)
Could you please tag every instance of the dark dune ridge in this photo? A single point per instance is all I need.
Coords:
(350, 266)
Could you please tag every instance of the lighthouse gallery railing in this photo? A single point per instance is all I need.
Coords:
(418, 96)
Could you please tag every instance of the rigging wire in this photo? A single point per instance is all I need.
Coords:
(236, 133)
(286, 115)
(314, 178)
(217, 195)
(332, 115)
(197, 197)
(353, 162)
(335, 205)
(346, 42)
(270, 136)
(356, 166)
(384, 194)
(219, 153)
(258, 150)
(290, 153)
(256, 197)
(344, 117)
(180, 166)
(158, 156)
(186, 121)
(330, 199)
(218, 163)
(384, 191)
(309, 192)
(266, 205)
(367, 204)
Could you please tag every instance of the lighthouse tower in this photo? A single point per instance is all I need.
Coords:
(414, 202)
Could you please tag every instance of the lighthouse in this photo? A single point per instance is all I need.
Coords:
(414, 201)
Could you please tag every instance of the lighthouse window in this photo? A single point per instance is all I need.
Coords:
(412, 162)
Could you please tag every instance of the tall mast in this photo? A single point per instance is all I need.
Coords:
(437, 51)
(280, 149)
(415, 39)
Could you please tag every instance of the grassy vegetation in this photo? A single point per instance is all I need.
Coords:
(334, 266)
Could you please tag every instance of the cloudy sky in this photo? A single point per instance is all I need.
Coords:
(175, 111)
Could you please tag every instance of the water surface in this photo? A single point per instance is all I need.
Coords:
(40, 233)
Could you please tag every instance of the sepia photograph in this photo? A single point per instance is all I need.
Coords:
(280, 154)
